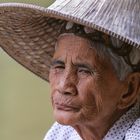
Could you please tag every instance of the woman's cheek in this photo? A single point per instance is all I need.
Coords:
(53, 78)
(90, 94)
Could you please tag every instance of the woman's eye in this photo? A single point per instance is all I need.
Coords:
(59, 67)
(84, 71)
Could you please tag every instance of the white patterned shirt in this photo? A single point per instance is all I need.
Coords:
(126, 128)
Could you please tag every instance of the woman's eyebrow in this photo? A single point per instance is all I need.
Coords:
(85, 65)
(56, 62)
(82, 65)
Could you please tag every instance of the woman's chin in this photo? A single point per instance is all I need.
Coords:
(65, 117)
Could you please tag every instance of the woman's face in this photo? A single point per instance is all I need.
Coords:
(84, 87)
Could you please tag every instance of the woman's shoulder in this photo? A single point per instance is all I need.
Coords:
(61, 132)
(133, 133)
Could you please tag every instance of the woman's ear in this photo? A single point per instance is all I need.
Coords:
(132, 93)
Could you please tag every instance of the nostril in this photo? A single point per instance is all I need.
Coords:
(67, 93)
(68, 87)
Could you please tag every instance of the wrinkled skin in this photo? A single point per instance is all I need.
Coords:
(86, 93)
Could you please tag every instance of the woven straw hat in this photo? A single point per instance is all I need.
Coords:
(28, 32)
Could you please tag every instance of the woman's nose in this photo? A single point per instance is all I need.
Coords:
(68, 84)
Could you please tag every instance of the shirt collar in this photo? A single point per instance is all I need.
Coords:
(119, 129)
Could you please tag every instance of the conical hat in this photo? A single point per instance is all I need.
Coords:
(28, 32)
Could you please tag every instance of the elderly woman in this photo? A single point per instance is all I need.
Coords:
(93, 69)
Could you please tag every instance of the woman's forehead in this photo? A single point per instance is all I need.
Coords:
(70, 37)
(77, 50)
(73, 44)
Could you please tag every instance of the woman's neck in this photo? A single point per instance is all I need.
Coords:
(96, 130)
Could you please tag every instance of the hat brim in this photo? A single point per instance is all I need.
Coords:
(28, 34)
(29, 37)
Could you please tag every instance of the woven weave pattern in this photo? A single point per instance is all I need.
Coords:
(118, 18)
(30, 39)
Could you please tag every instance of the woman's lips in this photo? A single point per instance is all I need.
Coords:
(65, 107)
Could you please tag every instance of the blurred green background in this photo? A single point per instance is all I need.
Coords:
(25, 108)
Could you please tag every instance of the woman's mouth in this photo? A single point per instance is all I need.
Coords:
(65, 107)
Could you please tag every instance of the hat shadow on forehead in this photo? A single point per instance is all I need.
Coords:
(28, 32)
